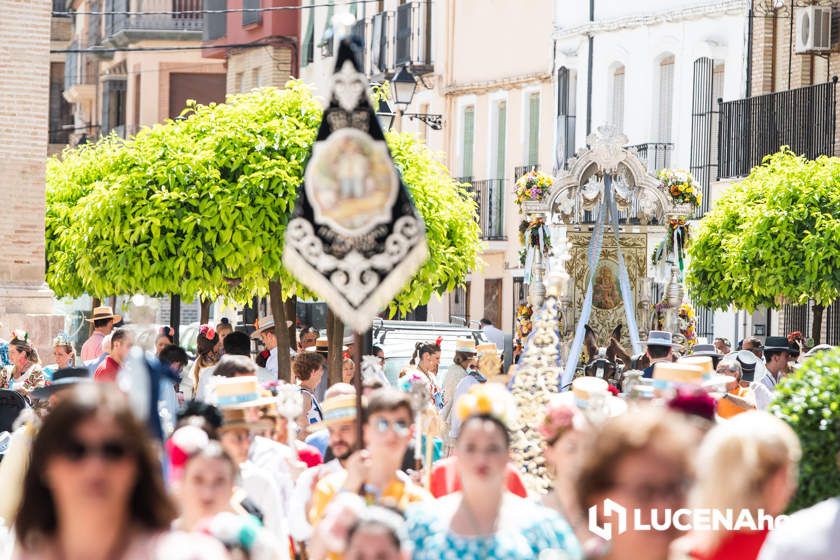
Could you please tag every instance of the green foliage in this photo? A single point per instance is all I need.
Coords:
(199, 206)
(453, 236)
(774, 237)
(807, 400)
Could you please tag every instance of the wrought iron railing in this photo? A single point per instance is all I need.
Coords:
(657, 155)
(60, 6)
(158, 15)
(79, 69)
(413, 34)
(94, 29)
(521, 170)
(755, 127)
(490, 196)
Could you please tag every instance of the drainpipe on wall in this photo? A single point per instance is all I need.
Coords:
(589, 72)
(750, 17)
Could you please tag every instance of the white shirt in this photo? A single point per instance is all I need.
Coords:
(495, 336)
(763, 395)
(462, 389)
(809, 534)
(271, 363)
(261, 488)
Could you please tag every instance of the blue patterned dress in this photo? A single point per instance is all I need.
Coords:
(538, 529)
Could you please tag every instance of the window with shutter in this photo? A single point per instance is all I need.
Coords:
(252, 17)
(666, 99)
(533, 128)
(469, 142)
(501, 135)
(307, 53)
(617, 110)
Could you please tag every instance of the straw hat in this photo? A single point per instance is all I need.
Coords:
(466, 345)
(237, 419)
(341, 408)
(239, 392)
(104, 312)
(322, 344)
(264, 324)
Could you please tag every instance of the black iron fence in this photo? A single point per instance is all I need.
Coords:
(657, 155)
(489, 194)
(163, 15)
(753, 128)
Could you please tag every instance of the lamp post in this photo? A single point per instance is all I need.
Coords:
(403, 87)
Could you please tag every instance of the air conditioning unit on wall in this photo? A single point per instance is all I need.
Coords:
(813, 29)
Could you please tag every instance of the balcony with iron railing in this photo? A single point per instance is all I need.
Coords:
(398, 38)
(413, 36)
(521, 170)
(79, 69)
(656, 155)
(489, 195)
(755, 127)
(128, 21)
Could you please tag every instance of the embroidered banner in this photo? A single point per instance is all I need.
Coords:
(355, 237)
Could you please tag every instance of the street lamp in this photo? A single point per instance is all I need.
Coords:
(384, 115)
(404, 86)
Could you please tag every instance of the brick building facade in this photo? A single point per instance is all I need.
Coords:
(25, 301)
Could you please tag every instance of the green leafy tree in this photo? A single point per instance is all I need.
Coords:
(199, 206)
(772, 239)
(807, 400)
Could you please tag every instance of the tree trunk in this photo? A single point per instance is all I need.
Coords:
(278, 310)
(206, 305)
(175, 317)
(95, 302)
(335, 333)
(291, 315)
(816, 323)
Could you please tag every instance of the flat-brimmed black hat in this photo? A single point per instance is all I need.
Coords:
(63, 378)
(777, 344)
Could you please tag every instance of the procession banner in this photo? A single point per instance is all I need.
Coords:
(355, 237)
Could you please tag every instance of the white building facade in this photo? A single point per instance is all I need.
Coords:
(655, 70)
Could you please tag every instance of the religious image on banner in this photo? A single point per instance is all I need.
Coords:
(355, 237)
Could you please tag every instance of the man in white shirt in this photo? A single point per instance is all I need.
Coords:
(265, 332)
(777, 355)
(340, 420)
(493, 334)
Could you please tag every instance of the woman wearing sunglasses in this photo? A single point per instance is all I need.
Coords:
(484, 520)
(94, 490)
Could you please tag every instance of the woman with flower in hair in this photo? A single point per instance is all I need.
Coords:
(194, 383)
(484, 520)
(25, 374)
(423, 368)
(64, 354)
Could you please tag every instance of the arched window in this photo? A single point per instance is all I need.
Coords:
(617, 101)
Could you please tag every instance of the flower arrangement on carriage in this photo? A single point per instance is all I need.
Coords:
(533, 235)
(533, 186)
(675, 242)
(688, 324)
(681, 186)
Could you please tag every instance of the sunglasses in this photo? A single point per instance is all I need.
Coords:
(111, 451)
(400, 427)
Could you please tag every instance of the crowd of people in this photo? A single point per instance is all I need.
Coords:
(250, 466)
